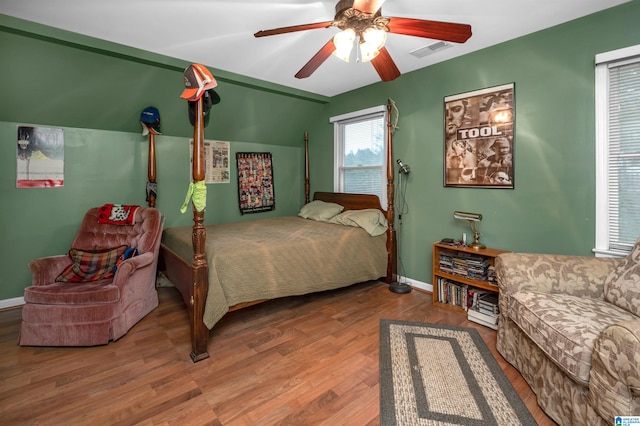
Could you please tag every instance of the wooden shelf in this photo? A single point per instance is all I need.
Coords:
(462, 280)
(487, 253)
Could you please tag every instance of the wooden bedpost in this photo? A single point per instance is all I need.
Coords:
(392, 268)
(151, 170)
(307, 186)
(200, 333)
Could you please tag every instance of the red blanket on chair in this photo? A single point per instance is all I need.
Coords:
(117, 214)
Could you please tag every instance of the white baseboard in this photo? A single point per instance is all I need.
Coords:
(417, 284)
(11, 303)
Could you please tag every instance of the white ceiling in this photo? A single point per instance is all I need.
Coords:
(219, 34)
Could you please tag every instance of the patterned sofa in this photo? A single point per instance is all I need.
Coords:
(571, 326)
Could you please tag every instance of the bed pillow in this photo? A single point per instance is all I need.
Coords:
(91, 265)
(320, 210)
(371, 220)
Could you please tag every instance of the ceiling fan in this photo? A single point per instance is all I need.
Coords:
(362, 19)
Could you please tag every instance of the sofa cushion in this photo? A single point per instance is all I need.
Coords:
(622, 286)
(565, 327)
(91, 265)
(92, 293)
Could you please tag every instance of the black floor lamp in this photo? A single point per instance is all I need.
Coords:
(403, 171)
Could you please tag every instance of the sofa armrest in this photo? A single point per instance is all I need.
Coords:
(550, 273)
(131, 266)
(135, 278)
(614, 384)
(44, 270)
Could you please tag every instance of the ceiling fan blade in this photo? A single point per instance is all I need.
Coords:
(317, 60)
(384, 65)
(446, 31)
(367, 6)
(293, 29)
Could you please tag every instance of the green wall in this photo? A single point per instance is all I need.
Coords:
(96, 90)
(552, 207)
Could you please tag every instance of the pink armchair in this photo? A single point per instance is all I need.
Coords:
(96, 312)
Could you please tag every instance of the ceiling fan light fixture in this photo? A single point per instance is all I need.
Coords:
(363, 19)
(372, 40)
(344, 43)
(375, 36)
(368, 51)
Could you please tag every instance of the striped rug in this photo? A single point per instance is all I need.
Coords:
(434, 374)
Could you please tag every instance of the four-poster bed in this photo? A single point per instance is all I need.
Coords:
(313, 256)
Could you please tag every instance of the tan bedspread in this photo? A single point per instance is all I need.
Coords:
(278, 257)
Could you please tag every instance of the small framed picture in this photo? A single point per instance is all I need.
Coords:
(479, 138)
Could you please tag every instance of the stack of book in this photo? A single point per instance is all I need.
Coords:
(483, 308)
(452, 293)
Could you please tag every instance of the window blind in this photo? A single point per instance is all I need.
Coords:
(360, 152)
(624, 154)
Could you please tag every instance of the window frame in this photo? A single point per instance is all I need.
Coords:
(604, 61)
(339, 122)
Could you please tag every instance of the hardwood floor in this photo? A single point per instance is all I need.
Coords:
(296, 361)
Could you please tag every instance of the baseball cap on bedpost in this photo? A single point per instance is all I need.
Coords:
(209, 98)
(197, 79)
(150, 120)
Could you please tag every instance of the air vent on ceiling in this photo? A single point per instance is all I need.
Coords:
(432, 48)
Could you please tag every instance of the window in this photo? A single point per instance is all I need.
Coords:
(360, 144)
(617, 151)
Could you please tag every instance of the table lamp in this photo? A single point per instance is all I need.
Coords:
(472, 218)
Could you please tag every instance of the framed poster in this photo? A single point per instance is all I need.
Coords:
(479, 138)
(40, 157)
(255, 182)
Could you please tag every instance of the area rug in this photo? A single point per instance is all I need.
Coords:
(436, 374)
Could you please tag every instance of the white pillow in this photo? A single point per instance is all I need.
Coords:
(320, 210)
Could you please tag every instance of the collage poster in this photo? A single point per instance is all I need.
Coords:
(40, 157)
(255, 182)
(479, 138)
